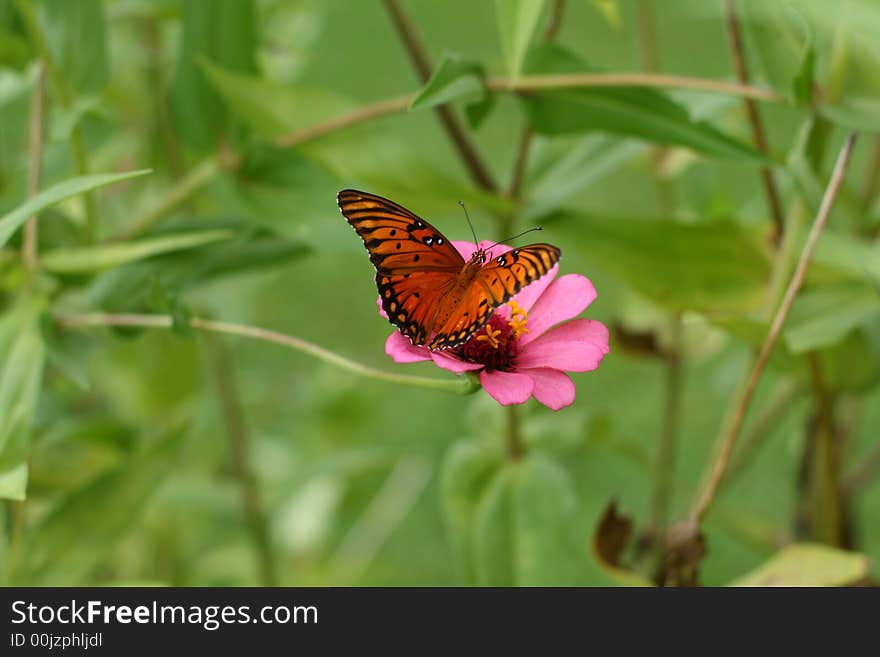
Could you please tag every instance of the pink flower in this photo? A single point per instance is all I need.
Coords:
(528, 344)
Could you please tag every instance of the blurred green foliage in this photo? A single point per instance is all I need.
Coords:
(132, 455)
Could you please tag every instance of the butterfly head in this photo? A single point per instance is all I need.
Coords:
(480, 256)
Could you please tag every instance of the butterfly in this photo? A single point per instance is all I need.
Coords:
(428, 290)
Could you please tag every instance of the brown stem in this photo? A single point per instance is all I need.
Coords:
(526, 83)
(758, 134)
(650, 56)
(463, 145)
(196, 179)
(359, 115)
(826, 507)
(240, 448)
(705, 498)
(35, 151)
(663, 465)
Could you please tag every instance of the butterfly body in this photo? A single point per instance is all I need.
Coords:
(427, 289)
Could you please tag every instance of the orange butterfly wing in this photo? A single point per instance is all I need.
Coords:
(427, 289)
(416, 266)
(497, 281)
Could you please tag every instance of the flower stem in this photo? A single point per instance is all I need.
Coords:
(464, 385)
(707, 495)
(66, 97)
(240, 448)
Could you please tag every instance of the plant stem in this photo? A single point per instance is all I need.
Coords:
(758, 133)
(353, 117)
(463, 385)
(650, 56)
(419, 58)
(665, 457)
(204, 173)
(35, 151)
(528, 83)
(707, 495)
(240, 449)
(826, 508)
(66, 97)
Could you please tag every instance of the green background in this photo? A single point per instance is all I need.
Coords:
(129, 435)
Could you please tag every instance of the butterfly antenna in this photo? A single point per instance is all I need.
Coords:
(466, 216)
(513, 237)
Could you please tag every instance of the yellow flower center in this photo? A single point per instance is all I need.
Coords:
(517, 323)
(518, 318)
(490, 336)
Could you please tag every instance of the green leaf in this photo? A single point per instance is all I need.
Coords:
(123, 288)
(632, 112)
(11, 221)
(802, 85)
(799, 165)
(454, 79)
(22, 354)
(517, 21)
(571, 168)
(807, 564)
(104, 256)
(707, 267)
(849, 256)
(222, 32)
(854, 114)
(467, 471)
(88, 522)
(823, 316)
(610, 10)
(781, 38)
(269, 109)
(77, 34)
(522, 530)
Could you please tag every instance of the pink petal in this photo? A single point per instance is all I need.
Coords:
(466, 249)
(553, 388)
(453, 364)
(527, 296)
(381, 309)
(399, 347)
(577, 346)
(565, 298)
(507, 387)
